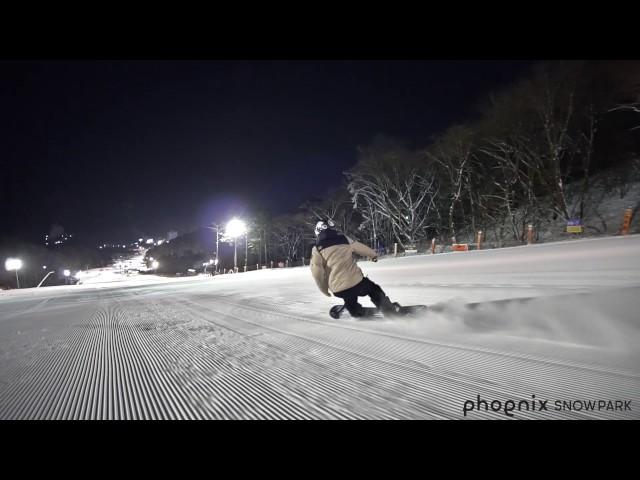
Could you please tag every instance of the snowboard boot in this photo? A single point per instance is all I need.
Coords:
(387, 306)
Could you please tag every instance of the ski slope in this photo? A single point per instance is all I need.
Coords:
(553, 322)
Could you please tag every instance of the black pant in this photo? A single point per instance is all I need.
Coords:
(362, 289)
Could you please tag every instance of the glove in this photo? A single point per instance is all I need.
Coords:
(374, 259)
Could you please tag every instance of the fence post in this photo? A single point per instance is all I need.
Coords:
(479, 240)
(395, 249)
(530, 234)
(626, 222)
(433, 245)
(271, 263)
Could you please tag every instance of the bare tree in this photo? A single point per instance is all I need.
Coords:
(404, 199)
(452, 153)
(629, 107)
(336, 205)
(288, 233)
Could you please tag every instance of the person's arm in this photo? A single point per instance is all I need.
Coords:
(319, 273)
(363, 250)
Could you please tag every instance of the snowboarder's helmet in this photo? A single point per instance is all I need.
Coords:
(324, 225)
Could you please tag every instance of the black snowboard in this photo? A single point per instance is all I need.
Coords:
(401, 311)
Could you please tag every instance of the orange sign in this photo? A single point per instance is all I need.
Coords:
(460, 247)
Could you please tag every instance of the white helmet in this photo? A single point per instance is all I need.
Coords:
(323, 225)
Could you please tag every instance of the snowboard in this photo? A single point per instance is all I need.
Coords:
(401, 311)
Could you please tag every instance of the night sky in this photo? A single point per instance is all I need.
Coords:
(112, 150)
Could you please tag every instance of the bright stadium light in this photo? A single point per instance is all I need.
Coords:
(155, 264)
(14, 264)
(235, 228)
(66, 273)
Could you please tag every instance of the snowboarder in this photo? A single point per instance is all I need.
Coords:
(334, 268)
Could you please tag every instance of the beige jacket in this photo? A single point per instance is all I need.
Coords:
(334, 268)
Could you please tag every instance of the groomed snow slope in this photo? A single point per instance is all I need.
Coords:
(558, 321)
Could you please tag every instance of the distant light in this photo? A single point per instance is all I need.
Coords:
(211, 262)
(149, 241)
(141, 240)
(235, 228)
(215, 262)
(191, 270)
(155, 265)
(44, 267)
(13, 264)
(160, 242)
(66, 273)
(151, 258)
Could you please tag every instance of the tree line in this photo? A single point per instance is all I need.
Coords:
(542, 150)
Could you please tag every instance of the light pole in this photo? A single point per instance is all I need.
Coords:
(14, 264)
(205, 264)
(45, 277)
(235, 228)
(217, 242)
(216, 227)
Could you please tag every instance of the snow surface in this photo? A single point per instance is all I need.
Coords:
(559, 321)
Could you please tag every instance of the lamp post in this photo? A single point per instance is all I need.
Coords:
(235, 228)
(206, 264)
(217, 241)
(216, 227)
(45, 277)
(14, 264)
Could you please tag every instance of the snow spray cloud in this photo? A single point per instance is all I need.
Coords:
(605, 319)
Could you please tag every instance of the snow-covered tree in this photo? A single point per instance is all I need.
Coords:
(391, 185)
